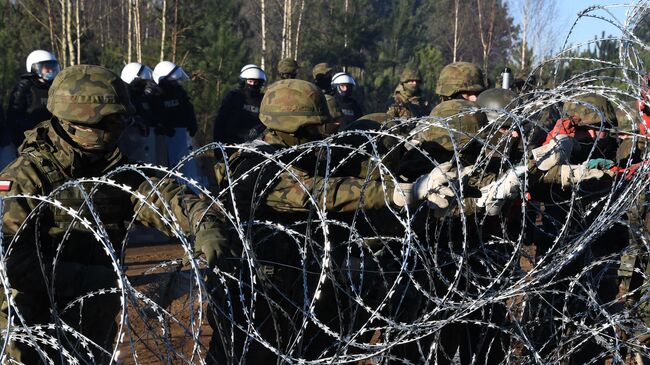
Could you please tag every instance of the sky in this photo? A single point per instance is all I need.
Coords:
(586, 28)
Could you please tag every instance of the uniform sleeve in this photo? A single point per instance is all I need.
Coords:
(185, 208)
(20, 244)
(343, 194)
(22, 178)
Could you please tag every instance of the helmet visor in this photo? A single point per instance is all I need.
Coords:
(178, 74)
(47, 70)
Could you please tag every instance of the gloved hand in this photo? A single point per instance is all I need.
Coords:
(433, 186)
(600, 163)
(554, 152)
(573, 174)
(496, 194)
(565, 126)
(213, 245)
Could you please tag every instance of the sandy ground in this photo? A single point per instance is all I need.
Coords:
(149, 339)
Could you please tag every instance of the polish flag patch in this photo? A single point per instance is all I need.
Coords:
(5, 185)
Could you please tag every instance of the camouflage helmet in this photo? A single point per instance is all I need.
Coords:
(588, 108)
(497, 98)
(465, 124)
(410, 74)
(290, 104)
(287, 66)
(84, 94)
(321, 69)
(460, 77)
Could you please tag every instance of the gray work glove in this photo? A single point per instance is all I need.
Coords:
(496, 194)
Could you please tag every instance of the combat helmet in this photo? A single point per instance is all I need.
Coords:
(321, 69)
(497, 98)
(291, 104)
(460, 77)
(464, 123)
(409, 74)
(589, 107)
(85, 94)
(287, 66)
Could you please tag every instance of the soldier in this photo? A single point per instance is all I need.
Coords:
(57, 253)
(407, 102)
(322, 74)
(459, 140)
(28, 100)
(138, 142)
(343, 85)
(294, 112)
(287, 69)
(460, 80)
(238, 118)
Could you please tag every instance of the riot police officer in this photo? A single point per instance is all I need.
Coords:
(28, 100)
(238, 118)
(343, 85)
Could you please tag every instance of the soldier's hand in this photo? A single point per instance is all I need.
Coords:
(214, 246)
(496, 194)
(434, 187)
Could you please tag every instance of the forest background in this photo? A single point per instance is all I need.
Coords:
(212, 39)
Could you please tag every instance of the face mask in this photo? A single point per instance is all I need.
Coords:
(252, 90)
(101, 137)
(412, 90)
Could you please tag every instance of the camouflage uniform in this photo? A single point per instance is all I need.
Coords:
(407, 103)
(52, 255)
(294, 112)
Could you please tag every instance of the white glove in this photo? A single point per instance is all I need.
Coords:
(433, 186)
(573, 174)
(496, 194)
(556, 152)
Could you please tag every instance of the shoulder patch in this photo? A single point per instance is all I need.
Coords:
(5, 185)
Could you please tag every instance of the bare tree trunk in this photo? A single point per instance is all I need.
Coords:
(129, 32)
(175, 31)
(302, 11)
(289, 29)
(284, 30)
(64, 43)
(455, 46)
(138, 33)
(162, 36)
(524, 33)
(263, 20)
(486, 39)
(68, 25)
(50, 23)
(345, 21)
(77, 20)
